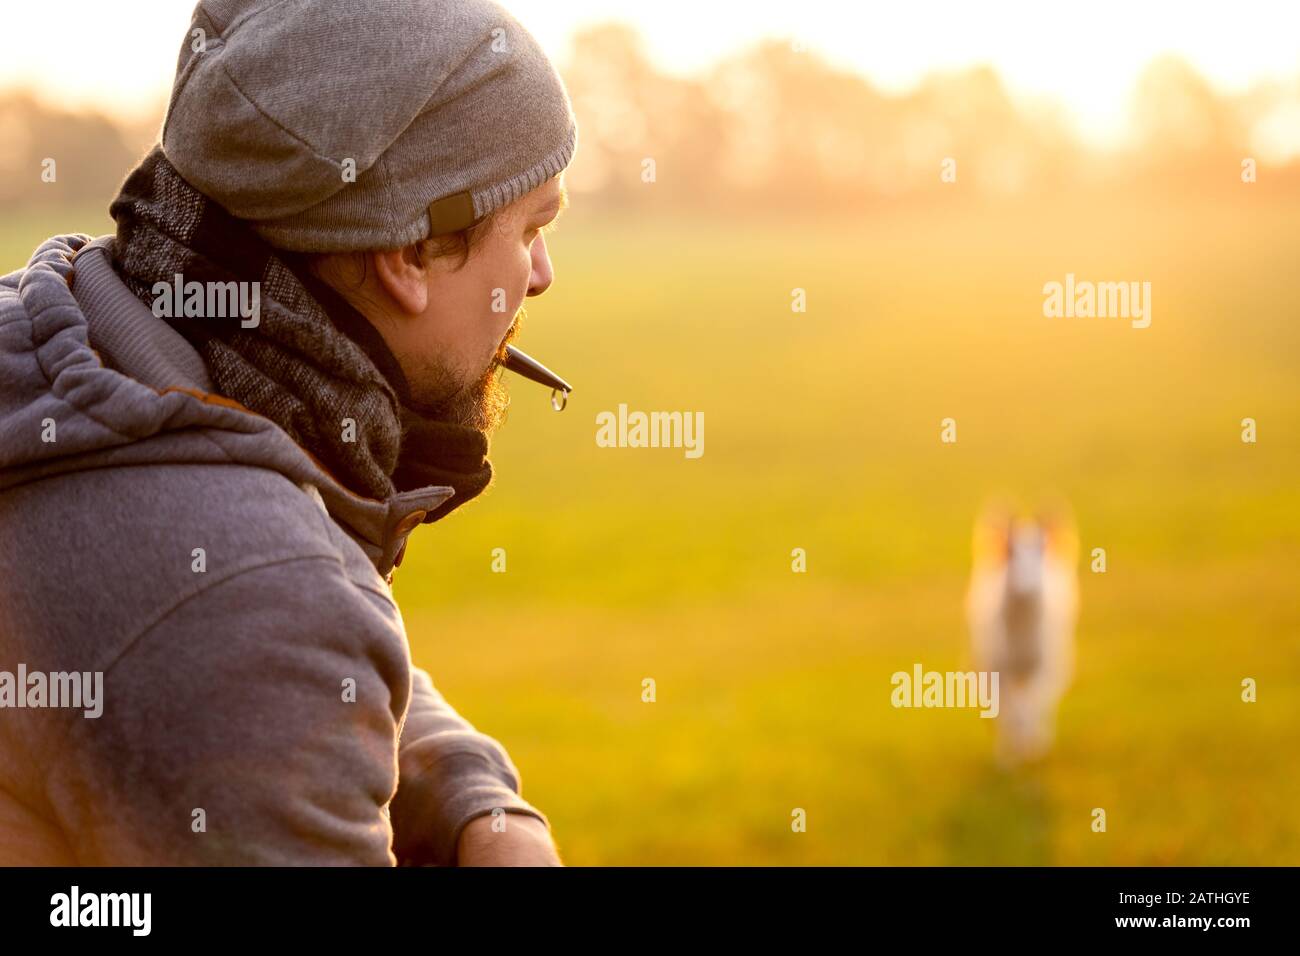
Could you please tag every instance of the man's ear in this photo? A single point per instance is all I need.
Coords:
(404, 278)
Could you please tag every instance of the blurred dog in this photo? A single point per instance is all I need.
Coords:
(1021, 607)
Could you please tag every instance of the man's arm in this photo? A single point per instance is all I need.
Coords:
(453, 780)
(254, 723)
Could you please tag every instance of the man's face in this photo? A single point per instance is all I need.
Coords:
(451, 349)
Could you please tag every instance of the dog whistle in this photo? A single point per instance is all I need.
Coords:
(521, 363)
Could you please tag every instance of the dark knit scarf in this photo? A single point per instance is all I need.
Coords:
(312, 362)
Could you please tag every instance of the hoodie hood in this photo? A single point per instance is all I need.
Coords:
(90, 378)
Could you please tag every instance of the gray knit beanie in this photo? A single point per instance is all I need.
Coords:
(336, 125)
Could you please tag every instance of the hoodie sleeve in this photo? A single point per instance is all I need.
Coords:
(254, 723)
(450, 774)
(259, 721)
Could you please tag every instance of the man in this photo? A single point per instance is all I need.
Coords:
(219, 426)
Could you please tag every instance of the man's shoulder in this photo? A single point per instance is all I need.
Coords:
(132, 542)
(229, 508)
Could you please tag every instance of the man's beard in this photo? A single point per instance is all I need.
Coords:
(482, 404)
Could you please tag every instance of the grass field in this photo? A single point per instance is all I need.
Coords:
(822, 432)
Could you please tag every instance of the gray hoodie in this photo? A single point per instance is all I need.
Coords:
(257, 703)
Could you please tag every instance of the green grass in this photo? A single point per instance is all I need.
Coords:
(822, 432)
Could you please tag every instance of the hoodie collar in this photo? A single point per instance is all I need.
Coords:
(129, 341)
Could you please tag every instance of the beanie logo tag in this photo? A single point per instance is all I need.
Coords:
(451, 213)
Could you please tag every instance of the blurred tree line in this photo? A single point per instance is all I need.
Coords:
(779, 128)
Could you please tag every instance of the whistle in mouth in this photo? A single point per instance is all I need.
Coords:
(521, 363)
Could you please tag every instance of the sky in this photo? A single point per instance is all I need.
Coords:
(1085, 56)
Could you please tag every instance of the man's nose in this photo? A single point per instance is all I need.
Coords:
(543, 275)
